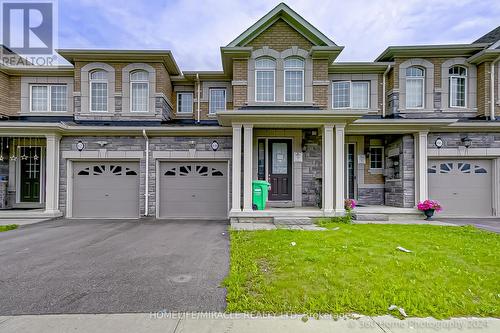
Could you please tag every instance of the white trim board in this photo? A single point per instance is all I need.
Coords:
(463, 152)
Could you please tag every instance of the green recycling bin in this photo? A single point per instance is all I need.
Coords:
(260, 190)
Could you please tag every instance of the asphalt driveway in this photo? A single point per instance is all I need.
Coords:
(103, 266)
(489, 224)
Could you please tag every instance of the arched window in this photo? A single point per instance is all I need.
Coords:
(294, 80)
(415, 77)
(265, 69)
(458, 86)
(139, 91)
(99, 91)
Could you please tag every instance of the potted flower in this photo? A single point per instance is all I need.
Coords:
(429, 207)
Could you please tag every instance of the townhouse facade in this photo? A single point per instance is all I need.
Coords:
(127, 133)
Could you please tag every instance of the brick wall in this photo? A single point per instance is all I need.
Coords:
(240, 73)
(280, 36)
(4, 93)
(15, 95)
(320, 92)
(483, 89)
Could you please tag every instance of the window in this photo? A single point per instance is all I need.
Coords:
(185, 102)
(351, 94)
(294, 80)
(376, 157)
(99, 91)
(217, 100)
(414, 88)
(139, 87)
(45, 98)
(265, 69)
(458, 86)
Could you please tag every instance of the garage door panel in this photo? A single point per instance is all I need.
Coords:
(193, 189)
(106, 189)
(463, 187)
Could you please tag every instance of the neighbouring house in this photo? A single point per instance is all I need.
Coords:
(127, 133)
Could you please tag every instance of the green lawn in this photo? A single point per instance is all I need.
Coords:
(8, 227)
(452, 271)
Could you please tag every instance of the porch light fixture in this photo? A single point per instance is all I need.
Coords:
(439, 143)
(466, 141)
(215, 145)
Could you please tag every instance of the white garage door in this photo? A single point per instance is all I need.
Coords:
(106, 189)
(463, 187)
(193, 190)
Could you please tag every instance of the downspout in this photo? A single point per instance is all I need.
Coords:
(146, 182)
(198, 97)
(383, 89)
(492, 88)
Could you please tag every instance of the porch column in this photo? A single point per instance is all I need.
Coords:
(247, 167)
(339, 167)
(52, 173)
(421, 188)
(328, 169)
(236, 183)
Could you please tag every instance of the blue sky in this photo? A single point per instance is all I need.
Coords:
(194, 30)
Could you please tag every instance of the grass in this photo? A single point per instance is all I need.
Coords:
(8, 227)
(452, 271)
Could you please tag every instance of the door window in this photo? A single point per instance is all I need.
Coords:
(280, 158)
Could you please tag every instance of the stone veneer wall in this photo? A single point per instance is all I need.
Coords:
(127, 143)
(401, 192)
(371, 196)
(311, 168)
(453, 140)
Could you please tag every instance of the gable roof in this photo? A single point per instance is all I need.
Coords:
(491, 37)
(297, 22)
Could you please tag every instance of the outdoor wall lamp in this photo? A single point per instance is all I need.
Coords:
(466, 141)
(439, 143)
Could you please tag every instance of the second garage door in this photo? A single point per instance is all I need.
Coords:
(463, 187)
(193, 190)
(106, 189)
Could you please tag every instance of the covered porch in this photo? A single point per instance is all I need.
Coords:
(301, 153)
(29, 169)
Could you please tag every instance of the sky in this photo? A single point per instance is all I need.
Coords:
(195, 30)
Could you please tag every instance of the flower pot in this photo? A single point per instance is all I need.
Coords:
(428, 213)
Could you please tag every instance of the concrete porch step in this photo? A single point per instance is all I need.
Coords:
(370, 217)
(292, 220)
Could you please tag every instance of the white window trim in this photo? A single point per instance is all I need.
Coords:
(192, 100)
(49, 97)
(284, 83)
(350, 95)
(274, 85)
(132, 95)
(450, 97)
(210, 100)
(423, 89)
(377, 170)
(90, 91)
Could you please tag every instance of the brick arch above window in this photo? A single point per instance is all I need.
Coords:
(85, 82)
(471, 84)
(126, 71)
(428, 83)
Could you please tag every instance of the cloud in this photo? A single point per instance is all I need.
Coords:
(195, 30)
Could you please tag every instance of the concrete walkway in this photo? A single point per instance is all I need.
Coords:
(21, 221)
(238, 323)
(251, 226)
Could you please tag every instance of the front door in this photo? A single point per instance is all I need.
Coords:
(280, 169)
(30, 159)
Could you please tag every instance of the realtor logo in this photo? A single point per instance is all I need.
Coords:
(28, 27)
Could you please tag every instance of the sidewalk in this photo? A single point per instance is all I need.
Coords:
(237, 323)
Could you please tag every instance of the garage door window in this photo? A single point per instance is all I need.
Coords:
(198, 170)
(458, 167)
(98, 170)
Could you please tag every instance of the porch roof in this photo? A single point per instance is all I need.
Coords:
(287, 118)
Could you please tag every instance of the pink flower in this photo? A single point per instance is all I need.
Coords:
(429, 204)
(349, 204)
